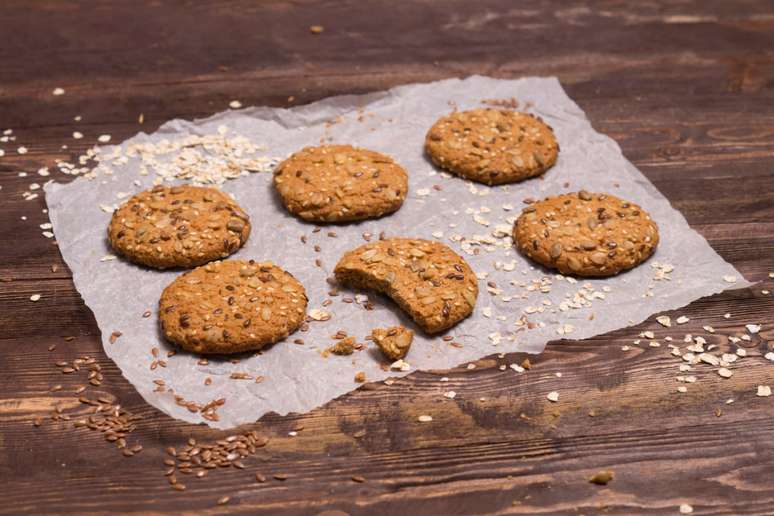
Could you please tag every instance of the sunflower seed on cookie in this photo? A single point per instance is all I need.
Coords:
(428, 280)
(340, 183)
(492, 146)
(231, 306)
(586, 234)
(179, 226)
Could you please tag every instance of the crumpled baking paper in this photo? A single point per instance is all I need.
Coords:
(297, 378)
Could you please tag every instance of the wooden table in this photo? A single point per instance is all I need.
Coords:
(686, 89)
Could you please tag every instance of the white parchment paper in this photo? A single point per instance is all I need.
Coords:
(296, 377)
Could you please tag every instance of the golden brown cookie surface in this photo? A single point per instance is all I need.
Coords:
(429, 281)
(586, 234)
(179, 226)
(339, 183)
(231, 306)
(492, 146)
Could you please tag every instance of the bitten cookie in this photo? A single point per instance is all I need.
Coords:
(492, 146)
(231, 306)
(587, 234)
(429, 281)
(393, 342)
(339, 183)
(180, 226)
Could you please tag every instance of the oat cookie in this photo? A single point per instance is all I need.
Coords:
(339, 183)
(586, 234)
(492, 146)
(394, 342)
(179, 226)
(429, 281)
(231, 306)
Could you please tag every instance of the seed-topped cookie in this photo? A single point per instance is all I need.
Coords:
(587, 234)
(492, 146)
(429, 281)
(231, 306)
(339, 183)
(179, 226)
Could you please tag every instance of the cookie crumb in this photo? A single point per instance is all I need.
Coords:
(345, 346)
(394, 342)
(316, 29)
(602, 478)
(360, 377)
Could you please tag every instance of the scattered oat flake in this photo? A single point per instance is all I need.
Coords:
(685, 509)
(763, 391)
(682, 389)
(725, 373)
(22, 150)
(664, 320)
(108, 257)
(729, 279)
(58, 91)
(769, 356)
(235, 104)
(753, 328)
(682, 319)
(450, 394)
(77, 135)
(319, 315)
(35, 297)
(425, 418)
(553, 396)
(103, 138)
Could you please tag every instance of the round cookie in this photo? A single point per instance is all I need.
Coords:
(179, 226)
(586, 234)
(340, 183)
(231, 306)
(429, 281)
(492, 146)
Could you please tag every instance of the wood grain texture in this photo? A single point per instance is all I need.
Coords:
(686, 88)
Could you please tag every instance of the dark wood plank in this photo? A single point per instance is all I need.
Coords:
(687, 89)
